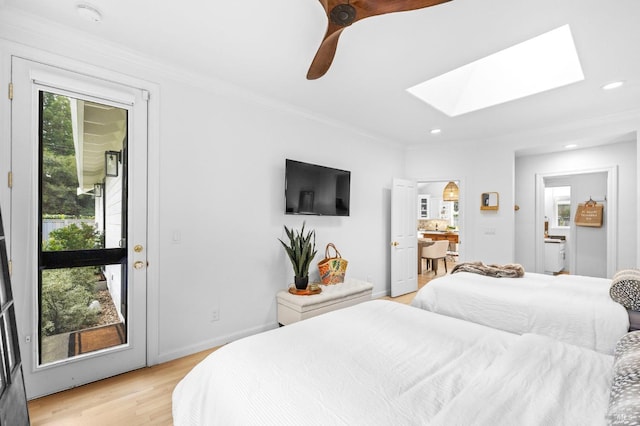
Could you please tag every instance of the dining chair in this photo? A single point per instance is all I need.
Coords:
(434, 253)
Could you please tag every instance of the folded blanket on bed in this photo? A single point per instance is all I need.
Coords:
(510, 270)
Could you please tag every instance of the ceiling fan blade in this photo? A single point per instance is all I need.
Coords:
(340, 15)
(367, 8)
(324, 56)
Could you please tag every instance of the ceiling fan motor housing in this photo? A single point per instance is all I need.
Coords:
(343, 15)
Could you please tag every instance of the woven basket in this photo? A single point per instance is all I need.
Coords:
(332, 269)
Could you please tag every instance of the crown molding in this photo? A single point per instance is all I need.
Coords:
(42, 36)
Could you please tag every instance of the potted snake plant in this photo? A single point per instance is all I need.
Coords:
(301, 250)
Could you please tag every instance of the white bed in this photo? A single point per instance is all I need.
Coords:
(569, 308)
(385, 363)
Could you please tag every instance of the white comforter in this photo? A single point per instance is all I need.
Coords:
(569, 308)
(538, 381)
(384, 363)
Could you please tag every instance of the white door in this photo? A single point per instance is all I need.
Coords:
(78, 226)
(404, 239)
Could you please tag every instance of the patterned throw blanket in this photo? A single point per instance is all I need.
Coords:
(511, 270)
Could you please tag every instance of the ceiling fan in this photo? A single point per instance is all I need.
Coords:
(342, 13)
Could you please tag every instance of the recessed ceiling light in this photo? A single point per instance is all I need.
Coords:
(571, 145)
(435, 131)
(89, 13)
(612, 85)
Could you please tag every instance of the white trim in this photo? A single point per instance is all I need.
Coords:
(153, 225)
(54, 82)
(462, 208)
(16, 25)
(612, 218)
(10, 50)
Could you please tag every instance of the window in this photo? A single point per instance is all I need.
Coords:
(563, 213)
(83, 249)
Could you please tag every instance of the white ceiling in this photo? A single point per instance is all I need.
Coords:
(267, 47)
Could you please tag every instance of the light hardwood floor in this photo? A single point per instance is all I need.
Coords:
(141, 397)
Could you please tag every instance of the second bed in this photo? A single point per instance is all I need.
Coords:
(569, 308)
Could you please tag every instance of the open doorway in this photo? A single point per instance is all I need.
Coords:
(557, 227)
(438, 222)
(588, 251)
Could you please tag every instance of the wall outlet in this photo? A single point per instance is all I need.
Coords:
(215, 315)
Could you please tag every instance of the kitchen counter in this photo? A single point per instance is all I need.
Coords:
(452, 237)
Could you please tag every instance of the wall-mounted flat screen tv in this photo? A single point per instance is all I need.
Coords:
(316, 190)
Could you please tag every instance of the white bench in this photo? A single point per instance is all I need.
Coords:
(293, 308)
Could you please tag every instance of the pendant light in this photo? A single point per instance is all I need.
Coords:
(451, 192)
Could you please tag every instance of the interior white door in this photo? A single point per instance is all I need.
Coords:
(120, 217)
(404, 240)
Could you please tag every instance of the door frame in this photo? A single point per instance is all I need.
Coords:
(611, 216)
(461, 208)
(8, 50)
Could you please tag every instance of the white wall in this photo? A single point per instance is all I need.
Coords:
(218, 154)
(485, 235)
(227, 203)
(507, 235)
(622, 155)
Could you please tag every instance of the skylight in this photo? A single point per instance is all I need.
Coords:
(542, 63)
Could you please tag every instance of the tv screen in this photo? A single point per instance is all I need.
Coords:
(316, 190)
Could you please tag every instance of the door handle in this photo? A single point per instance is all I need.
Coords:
(139, 264)
(395, 244)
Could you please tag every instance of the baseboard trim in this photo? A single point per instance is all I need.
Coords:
(212, 343)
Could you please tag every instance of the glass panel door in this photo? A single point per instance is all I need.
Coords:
(78, 207)
(82, 259)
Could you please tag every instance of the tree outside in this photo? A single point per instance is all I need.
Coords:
(59, 172)
(73, 237)
(65, 293)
